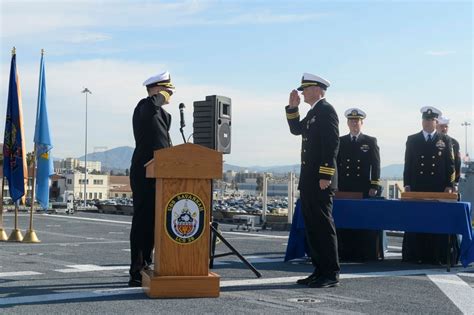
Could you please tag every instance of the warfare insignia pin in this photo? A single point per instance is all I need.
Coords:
(440, 145)
(312, 120)
(364, 148)
(184, 221)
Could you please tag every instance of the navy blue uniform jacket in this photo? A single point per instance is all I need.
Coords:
(358, 164)
(429, 167)
(319, 145)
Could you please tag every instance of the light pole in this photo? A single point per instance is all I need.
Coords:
(85, 91)
(465, 125)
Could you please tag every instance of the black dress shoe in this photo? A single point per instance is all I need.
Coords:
(324, 282)
(307, 280)
(134, 282)
(135, 279)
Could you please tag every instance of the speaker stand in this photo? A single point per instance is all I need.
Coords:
(215, 234)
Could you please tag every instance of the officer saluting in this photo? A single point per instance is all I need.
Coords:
(318, 178)
(151, 124)
(358, 163)
(429, 167)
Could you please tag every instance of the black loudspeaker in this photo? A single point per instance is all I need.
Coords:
(212, 123)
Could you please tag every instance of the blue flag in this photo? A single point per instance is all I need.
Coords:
(43, 143)
(14, 158)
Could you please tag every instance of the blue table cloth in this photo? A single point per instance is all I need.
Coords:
(398, 215)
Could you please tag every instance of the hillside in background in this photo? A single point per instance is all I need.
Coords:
(118, 160)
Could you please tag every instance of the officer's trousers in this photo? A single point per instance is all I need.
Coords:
(320, 230)
(143, 221)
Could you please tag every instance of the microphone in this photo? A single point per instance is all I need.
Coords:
(181, 120)
(181, 115)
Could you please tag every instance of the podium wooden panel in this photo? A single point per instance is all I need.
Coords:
(348, 195)
(421, 195)
(183, 173)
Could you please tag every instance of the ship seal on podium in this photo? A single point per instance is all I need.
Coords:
(184, 222)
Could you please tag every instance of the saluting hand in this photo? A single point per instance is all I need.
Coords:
(294, 99)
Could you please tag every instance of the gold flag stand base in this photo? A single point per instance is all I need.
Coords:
(30, 237)
(3, 235)
(15, 236)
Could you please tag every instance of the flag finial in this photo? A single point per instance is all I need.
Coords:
(13, 51)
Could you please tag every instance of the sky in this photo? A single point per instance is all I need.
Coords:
(388, 58)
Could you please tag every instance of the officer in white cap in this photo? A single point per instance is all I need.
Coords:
(318, 178)
(429, 167)
(358, 164)
(151, 124)
(443, 127)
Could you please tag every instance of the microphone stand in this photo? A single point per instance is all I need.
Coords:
(182, 123)
(182, 134)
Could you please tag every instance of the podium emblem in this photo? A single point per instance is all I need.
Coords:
(184, 222)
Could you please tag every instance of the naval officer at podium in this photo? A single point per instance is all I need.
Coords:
(429, 167)
(358, 163)
(151, 124)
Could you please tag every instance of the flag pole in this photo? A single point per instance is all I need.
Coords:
(30, 236)
(3, 234)
(15, 235)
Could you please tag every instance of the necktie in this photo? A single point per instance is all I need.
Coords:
(354, 139)
(429, 138)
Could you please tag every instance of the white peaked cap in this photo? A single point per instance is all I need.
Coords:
(163, 79)
(355, 113)
(309, 79)
(430, 112)
(443, 121)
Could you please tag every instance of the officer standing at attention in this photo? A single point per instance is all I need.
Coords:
(151, 124)
(318, 178)
(358, 163)
(443, 127)
(429, 167)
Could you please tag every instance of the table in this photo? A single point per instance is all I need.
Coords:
(398, 215)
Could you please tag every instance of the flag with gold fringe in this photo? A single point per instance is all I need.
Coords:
(14, 154)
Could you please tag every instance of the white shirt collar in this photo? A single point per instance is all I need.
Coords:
(425, 134)
(312, 106)
(357, 135)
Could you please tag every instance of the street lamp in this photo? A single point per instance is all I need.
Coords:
(85, 91)
(465, 125)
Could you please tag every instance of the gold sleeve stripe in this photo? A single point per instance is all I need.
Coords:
(327, 173)
(165, 95)
(331, 169)
(375, 182)
(292, 115)
(453, 177)
(327, 170)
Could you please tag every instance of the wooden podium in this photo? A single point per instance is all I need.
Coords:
(441, 196)
(183, 208)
